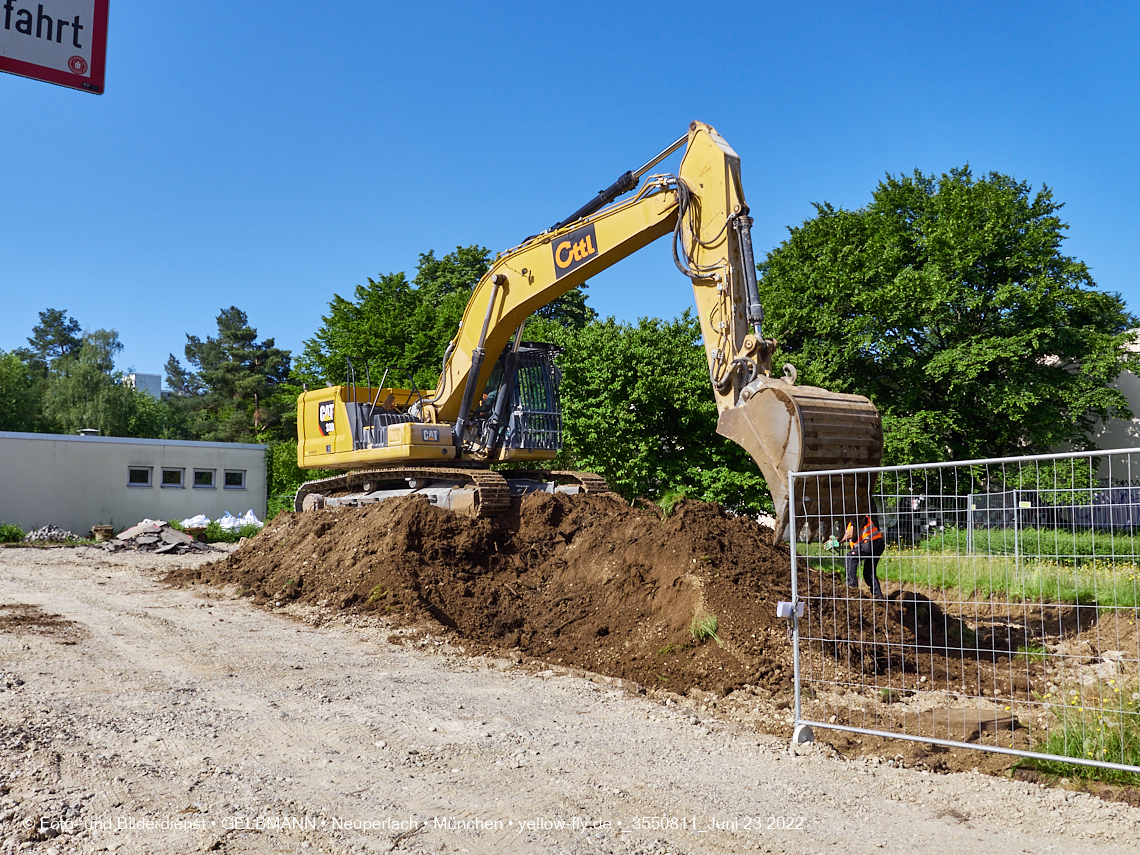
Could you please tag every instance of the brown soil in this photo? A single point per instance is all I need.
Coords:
(579, 581)
(19, 618)
(592, 583)
(911, 642)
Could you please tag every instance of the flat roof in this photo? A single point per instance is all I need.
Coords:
(130, 440)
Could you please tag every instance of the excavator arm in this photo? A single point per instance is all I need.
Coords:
(784, 427)
(706, 201)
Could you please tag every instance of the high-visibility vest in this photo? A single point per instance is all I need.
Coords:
(870, 532)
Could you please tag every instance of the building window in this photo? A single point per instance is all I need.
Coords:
(204, 478)
(173, 477)
(138, 476)
(235, 479)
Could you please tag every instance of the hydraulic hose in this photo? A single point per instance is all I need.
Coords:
(442, 370)
(477, 357)
(506, 392)
(743, 226)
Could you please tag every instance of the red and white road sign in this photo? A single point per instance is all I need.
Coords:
(60, 41)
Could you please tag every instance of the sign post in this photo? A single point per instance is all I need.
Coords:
(59, 41)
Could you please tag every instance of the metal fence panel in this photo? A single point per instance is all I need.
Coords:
(1010, 607)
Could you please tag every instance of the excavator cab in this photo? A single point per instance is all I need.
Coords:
(520, 414)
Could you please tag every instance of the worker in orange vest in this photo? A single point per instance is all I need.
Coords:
(866, 548)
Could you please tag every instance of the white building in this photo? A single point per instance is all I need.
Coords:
(75, 482)
(149, 383)
(1119, 433)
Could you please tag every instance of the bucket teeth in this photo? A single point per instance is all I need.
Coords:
(788, 428)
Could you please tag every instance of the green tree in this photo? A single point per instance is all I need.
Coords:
(394, 322)
(55, 340)
(235, 395)
(569, 310)
(55, 337)
(949, 303)
(83, 390)
(638, 409)
(284, 476)
(20, 393)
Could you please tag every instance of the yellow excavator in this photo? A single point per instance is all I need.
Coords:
(497, 397)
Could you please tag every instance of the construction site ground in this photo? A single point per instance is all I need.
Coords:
(397, 679)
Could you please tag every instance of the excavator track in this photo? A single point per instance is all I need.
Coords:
(493, 491)
(588, 481)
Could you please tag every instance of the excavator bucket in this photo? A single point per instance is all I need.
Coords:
(788, 428)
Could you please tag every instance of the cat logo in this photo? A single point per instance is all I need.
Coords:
(325, 410)
(431, 434)
(573, 250)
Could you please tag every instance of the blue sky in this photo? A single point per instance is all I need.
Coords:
(270, 154)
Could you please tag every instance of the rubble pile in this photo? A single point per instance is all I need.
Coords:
(50, 534)
(157, 537)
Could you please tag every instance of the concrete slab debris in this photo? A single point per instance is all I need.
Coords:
(154, 537)
(140, 528)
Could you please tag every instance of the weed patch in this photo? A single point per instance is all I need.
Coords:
(1032, 652)
(705, 626)
(1110, 734)
(668, 501)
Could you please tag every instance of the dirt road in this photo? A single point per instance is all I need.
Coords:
(139, 718)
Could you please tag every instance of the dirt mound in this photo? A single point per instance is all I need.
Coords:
(583, 581)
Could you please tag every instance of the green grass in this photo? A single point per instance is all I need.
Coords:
(1038, 543)
(1032, 652)
(669, 501)
(10, 533)
(1109, 585)
(216, 534)
(889, 696)
(705, 626)
(1085, 580)
(1111, 735)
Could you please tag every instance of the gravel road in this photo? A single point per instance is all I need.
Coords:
(139, 718)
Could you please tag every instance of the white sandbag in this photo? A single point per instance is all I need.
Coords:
(250, 518)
